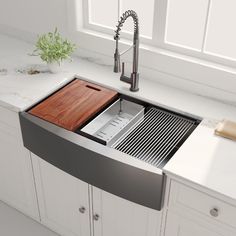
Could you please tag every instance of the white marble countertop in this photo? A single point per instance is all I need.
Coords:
(204, 159)
(19, 91)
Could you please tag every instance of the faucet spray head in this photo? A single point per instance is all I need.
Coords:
(116, 61)
(116, 57)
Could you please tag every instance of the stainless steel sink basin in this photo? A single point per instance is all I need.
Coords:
(148, 133)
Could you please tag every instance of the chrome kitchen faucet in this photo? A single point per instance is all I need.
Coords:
(133, 80)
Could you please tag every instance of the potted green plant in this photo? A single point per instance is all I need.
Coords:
(53, 49)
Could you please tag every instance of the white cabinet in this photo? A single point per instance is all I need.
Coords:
(71, 207)
(193, 212)
(63, 200)
(115, 216)
(16, 176)
(179, 226)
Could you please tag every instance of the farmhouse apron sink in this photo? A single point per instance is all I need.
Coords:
(120, 148)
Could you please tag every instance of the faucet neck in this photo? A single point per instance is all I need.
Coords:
(134, 78)
(123, 18)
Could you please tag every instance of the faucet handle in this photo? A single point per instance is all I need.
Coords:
(123, 69)
(122, 76)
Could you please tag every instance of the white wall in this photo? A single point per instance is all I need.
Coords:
(33, 16)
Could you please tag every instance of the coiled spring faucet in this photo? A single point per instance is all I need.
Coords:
(133, 80)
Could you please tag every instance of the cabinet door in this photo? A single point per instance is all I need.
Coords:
(115, 216)
(63, 200)
(177, 225)
(16, 176)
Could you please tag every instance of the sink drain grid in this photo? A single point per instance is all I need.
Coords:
(156, 136)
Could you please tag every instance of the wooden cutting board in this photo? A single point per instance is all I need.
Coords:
(74, 104)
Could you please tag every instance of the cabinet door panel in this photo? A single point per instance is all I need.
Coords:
(60, 197)
(177, 225)
(118, 216)
(16, 176)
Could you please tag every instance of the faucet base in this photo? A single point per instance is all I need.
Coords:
(134, 81)
(134, 89)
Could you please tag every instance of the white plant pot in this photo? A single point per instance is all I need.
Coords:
(54, 67)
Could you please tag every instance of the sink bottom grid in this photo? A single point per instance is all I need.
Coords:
(156, 136)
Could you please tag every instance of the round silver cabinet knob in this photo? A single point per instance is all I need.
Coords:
(82, 210)
(96, 217)
(214, 212)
